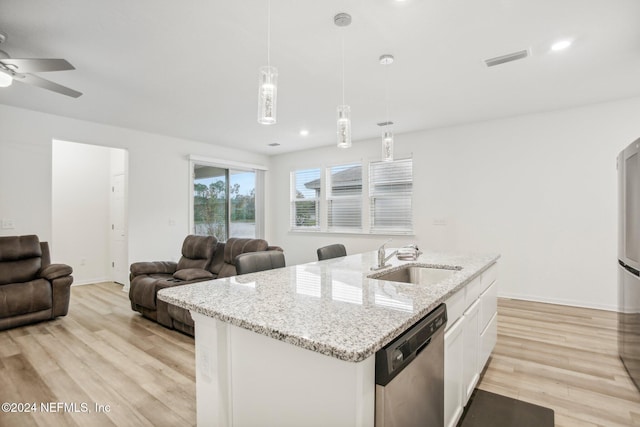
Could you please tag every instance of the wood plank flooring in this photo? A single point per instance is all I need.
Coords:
(564, 358)
(100, 353)
(103, 353)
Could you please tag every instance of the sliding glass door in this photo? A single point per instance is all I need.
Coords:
(224, 202)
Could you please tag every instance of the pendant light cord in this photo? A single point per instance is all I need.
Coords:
(343, 69)
(386, 90)
(269, 33)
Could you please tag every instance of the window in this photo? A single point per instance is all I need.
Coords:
(305, 198)
(224, 202)
(390, 192)
(344, 197)
(332, 199)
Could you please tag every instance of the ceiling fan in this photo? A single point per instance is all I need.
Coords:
(20, 70)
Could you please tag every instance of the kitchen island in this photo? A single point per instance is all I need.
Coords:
(296, 346)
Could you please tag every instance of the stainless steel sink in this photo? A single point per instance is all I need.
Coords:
(418, 275)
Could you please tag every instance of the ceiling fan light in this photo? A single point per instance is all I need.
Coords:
(5, 80)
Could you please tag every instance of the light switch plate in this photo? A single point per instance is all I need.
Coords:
(439, 221)
(8, 224)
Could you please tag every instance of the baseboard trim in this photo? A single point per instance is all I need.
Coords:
(90, 281)
(560, 301)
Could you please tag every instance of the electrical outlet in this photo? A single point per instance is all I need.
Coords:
(439, 221)
(204, 362)
(8, 224)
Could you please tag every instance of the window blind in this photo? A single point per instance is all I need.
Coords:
(344, 197)
(390, 196)
(305, 198)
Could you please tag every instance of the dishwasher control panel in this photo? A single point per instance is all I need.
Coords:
(392, 358)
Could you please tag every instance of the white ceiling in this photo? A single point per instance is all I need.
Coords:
(189, 69)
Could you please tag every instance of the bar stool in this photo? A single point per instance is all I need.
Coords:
(331, 251)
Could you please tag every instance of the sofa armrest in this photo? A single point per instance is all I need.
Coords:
(189, 274)
(55, 271)
(275, 248)
(154, 267)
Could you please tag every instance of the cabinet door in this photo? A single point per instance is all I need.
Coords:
(488, 340)
(471, 338)
(453, 353)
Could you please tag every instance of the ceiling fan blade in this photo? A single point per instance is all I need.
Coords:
(37, 65)
(46, 84)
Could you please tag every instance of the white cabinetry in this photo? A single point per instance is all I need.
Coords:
(469, 340)
(453, 351)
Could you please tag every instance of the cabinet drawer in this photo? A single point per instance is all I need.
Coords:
(488, 305)
(473, 291)
(488, 340)
(489, 276)
(455, 307)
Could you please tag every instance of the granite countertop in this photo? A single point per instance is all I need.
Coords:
(334, 307)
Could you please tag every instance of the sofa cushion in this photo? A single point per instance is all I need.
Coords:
(13, 248)
(197, 252)
(27, 297)
(162, 267)
(188, 274)
(235, 247)
(18, 271)
(143, 289)
(218, 259)
(20, 259)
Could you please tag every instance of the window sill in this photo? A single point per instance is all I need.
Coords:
(352, 233)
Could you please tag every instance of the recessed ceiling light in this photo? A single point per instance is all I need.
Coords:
(274, 144)
(561, 45)
(304, 132)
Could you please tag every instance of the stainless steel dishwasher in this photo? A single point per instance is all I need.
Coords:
(410, 375)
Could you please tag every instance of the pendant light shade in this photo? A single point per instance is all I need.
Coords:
(387, 146)
(267, 83)
(344, 126)
(5, 80)
(267, 95)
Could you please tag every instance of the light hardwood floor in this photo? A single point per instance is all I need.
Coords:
(564, 358)
(100, 353)
(103, 353)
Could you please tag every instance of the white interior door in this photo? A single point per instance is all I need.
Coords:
(119, 256)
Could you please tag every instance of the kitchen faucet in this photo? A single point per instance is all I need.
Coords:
(382, 260)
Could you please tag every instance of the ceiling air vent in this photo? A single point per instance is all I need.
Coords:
(514, 56)
(385, 123)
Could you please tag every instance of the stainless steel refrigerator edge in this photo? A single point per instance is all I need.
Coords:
(629, 259)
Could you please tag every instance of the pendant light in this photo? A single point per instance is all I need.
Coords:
(344, 111)
(387, 135)
(267, 82)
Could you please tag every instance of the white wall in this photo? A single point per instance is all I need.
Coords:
(158, 178)
(81, 178)
(538, 189)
